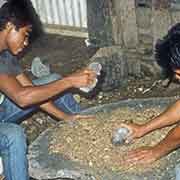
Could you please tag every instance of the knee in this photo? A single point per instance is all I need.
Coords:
(68, 104)
(54, 77)
(177, 170)
(15, 136)
(47, 79)
(178, 103)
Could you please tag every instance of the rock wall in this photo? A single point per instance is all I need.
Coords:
(134, 26)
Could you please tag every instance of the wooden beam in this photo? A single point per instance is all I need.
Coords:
(66, 30)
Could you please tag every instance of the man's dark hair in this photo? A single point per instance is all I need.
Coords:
(16, 12)
(167, 50)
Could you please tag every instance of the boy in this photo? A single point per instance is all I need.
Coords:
(21, 96)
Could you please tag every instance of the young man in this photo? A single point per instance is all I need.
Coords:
(168, 56)
(21, 96)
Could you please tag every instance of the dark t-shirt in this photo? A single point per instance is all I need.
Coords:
(9, 64)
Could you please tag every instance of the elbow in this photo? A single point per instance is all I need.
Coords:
(23, 104)
(178, 103)
(23, 100)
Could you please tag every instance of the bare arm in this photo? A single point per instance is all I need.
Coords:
(147, 155)
(169, 117)
(169, 143)
(49, 106)
(28, 95)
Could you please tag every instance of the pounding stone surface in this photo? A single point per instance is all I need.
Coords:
(48, 166)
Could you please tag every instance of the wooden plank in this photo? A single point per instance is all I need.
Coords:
(66, 30)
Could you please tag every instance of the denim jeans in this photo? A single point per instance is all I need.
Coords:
(12, 139)
(177, 171)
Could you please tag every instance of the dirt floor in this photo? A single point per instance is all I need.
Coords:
(68, 54)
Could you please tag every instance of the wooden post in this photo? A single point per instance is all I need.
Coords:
(112, 22)
(116, 23)
(128, 23)
(99, 22)
(161, 21)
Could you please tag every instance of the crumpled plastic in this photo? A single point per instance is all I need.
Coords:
(96, 67)
(39, 69)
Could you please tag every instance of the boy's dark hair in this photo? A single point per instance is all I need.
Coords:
(167, 50)
(20, 13)
(15, 12)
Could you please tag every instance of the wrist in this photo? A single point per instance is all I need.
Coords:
(144, 129)
(159, 151)
(69, 117)
(68, 81)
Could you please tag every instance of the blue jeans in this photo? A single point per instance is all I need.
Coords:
(12, 139)
(177, 170)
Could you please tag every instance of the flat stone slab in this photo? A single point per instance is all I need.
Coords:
(43, 165)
